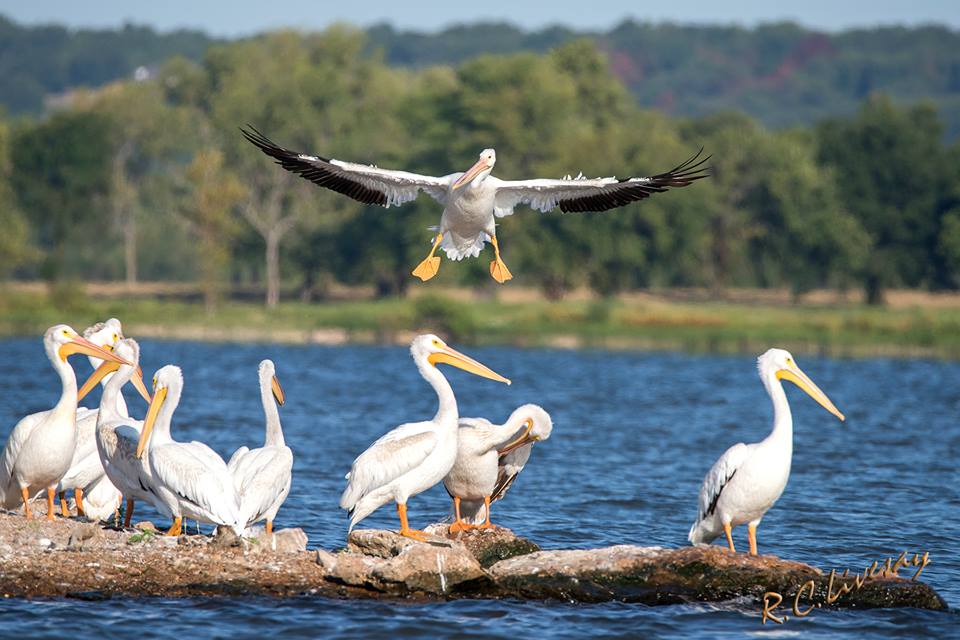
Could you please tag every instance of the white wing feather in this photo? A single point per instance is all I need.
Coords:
(719, 475)
(396, 453)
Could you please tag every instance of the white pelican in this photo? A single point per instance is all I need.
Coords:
(85, 468)
(474, 199)
(749, 478)
(262, 476)
(40, 447)
(489, 457)
(117, 435)
(417, 455)
(189, 478)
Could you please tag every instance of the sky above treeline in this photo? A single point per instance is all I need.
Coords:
(238, 18)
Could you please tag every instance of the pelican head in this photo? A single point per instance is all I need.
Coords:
(538, 426)
(781, 365)
(61, 342)
(166, 381)
(269, 373)
(483, 167)
(129, 350)
(431, 350)
(103, 334)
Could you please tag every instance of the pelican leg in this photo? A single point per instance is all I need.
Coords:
(78, 498)
(752, 534)
(431, 264)
(64, 511)
(269, 527)
(25, 494)
(487, 524)
(129, 514)
(51, 493)
(459, 524)
(174, 530)
(498, 270)
(727, 530)
(405, 529)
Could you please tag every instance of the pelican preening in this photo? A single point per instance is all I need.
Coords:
(414, 456)
(474, 199)
(189, 478)
(262, 476)
(489, 457)
(749, 478)
(40, 448)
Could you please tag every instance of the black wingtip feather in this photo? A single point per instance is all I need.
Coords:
(316, 169)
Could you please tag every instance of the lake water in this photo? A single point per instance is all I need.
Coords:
(633, 436)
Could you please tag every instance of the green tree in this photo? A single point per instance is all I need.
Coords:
(61, 176)
(213, 192)
(15, 244)
(889, 163)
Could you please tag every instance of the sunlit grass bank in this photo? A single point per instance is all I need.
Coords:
(914, 325)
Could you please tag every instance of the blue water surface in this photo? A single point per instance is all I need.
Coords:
(634, 434)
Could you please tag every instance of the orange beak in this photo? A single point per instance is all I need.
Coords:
(84, 346)
(471, 173)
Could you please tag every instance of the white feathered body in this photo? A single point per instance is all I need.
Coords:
(467, 222)
(749, 479)
(474, 473)
(100, 500)
(262, 478)
(193, 484)
(38, 452)
(117, 447)
(402, 463)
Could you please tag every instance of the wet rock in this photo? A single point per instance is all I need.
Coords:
(327, 561)
(653, 575)
(286, 540)
(490, 546)
(390, 563)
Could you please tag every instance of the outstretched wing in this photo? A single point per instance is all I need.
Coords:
(364, 183)
(717, 478)
(594, 194)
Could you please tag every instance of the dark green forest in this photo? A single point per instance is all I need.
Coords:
(781, 74)
(150, 180)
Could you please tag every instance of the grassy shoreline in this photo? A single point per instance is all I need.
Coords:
(915, 326)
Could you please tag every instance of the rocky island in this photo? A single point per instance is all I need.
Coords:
(70, 558)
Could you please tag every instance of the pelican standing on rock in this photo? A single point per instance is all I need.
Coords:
(262, 476)
(489, 457)
(117, 435)
(40, 447)
(85, 468)
(749, 478)
(417, 455)
(189, 478)
(474, 199)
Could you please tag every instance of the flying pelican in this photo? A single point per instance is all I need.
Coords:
(189, 478)
(85, 468)
(489, 457)
(262, 476)
(417, 455)
(40, 447)
(117, 435)
(749, 478)
(474, 199)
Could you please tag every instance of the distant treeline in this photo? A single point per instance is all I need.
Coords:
(151, 179)
(781, 74)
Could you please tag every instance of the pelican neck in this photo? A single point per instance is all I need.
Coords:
(273, 435)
